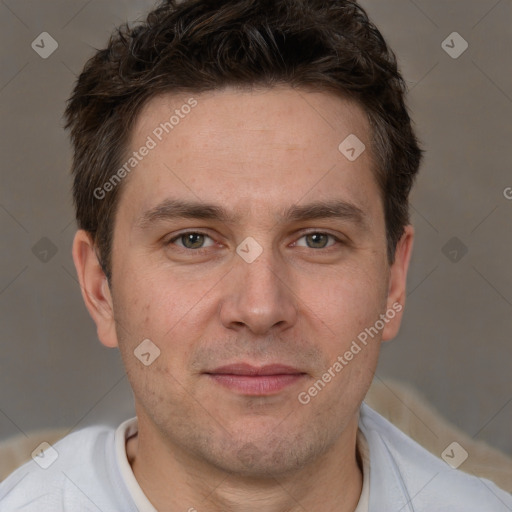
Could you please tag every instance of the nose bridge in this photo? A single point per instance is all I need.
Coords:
(261, 275)
(261, 292)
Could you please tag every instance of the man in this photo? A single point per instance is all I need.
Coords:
(241, 181)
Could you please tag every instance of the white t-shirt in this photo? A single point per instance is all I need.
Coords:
(129, 429)
(123, 433)
(88, 471)
(91, 472)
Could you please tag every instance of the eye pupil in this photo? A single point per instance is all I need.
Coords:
(317, 239)
(191, 237)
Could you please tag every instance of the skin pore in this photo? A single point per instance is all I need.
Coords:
(259, 156)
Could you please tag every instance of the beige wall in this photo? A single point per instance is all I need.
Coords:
(455, 344)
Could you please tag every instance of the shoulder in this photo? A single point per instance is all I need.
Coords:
(75, 473)
(403, 473)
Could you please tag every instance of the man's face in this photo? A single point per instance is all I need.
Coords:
(317, 284)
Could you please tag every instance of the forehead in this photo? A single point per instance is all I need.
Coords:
(253, 150)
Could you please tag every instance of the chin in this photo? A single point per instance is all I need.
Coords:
(269, 457)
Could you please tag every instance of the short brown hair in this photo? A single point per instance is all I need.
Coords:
(202, 45)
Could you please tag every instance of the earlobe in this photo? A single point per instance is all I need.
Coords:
(95, 287)
(397, 283)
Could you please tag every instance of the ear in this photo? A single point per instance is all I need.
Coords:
(397, 283)
(95, 287)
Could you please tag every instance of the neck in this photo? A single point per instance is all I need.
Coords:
(173, 479)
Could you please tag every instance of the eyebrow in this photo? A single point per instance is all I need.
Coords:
(170, 209)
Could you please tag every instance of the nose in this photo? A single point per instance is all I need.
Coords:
(259, 296)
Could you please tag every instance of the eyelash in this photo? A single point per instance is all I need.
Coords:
(202, 250)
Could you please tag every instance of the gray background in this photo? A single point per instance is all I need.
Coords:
(454, 344)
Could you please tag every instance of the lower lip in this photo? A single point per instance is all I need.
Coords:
(256, 384)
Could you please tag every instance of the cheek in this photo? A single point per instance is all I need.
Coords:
(169, 312)
(346, 302)
(160, 379)
(153, 302)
